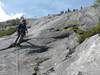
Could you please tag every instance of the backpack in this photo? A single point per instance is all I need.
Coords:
(21, 28)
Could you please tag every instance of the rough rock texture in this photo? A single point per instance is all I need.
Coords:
(85, 60)
(57, 51)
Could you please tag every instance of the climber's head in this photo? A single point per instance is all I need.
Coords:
(23, 20)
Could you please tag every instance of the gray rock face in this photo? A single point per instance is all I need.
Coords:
(85, 60)
(57, 51)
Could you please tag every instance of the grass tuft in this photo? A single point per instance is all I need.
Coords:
(89, 33)
(7, 32)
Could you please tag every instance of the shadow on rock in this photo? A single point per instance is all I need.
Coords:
(34, 48)
(13, 45)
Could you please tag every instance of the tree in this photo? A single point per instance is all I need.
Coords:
(96, 3)
(69, 10)
(48, 14)
(17, 21)
(13, 22)
(62, 12)
(74, 10)
(81, 7)
(65, 12)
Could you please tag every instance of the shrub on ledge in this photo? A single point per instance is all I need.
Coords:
(89, 33)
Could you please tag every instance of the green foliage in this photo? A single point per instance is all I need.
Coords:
(17, 21)
(74, 22)
(98, 1)
(13, 22)
(5, 26)
(10, 26)
(89, 33)
(39, 74)
(1, 26)
(96, 4)
(36, 68)
(7, 32)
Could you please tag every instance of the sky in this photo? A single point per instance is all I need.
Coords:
(11, 9)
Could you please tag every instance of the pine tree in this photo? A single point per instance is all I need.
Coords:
(81, 7)
(62, 12)
(69, 10)
(96, 3)
(65, 12)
